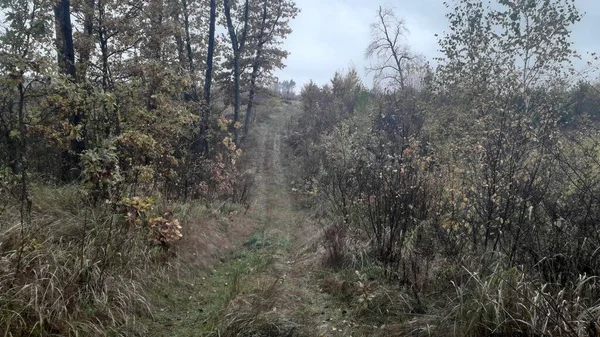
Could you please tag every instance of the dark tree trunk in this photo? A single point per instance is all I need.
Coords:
(210, 53)
(188, 60)
(188, 44)
(107, 80)
(237, 46)
(236, 87)
(66, 59)
(103, 41)
(178, 37)
(156, 21)
(254, 75)
(12, 148)
(64, 37)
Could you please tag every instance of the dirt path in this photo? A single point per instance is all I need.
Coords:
(269, 286)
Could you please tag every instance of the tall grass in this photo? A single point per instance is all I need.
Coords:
(71, 270)
(500, 301)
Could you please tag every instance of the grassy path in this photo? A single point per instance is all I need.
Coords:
(266, 287)
(273, 283)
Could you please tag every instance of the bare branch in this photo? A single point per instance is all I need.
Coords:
(387, 49)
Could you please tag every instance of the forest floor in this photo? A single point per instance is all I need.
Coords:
(272, 281)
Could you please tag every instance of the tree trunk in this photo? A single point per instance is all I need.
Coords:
(237, 46)
(66, 59)
(253, 77)
(103, 41)
(202, 143)
(254, 74)
(188, 44)
(189, 54)
(236, 87)
(64, 37)
(88, 43)
(209, 56)
(256, 64)
(179, 40)
(155, 8)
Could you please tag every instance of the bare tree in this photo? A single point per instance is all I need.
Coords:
(394, 60)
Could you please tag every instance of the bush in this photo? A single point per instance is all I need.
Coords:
(335, 241)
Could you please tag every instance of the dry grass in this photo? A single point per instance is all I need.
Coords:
(259, 313)
(210, 233)
(69, 271)
(75, 269)
(506, 302)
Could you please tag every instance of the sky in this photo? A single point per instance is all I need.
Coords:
(331, 35)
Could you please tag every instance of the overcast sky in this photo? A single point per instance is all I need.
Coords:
(332, 35)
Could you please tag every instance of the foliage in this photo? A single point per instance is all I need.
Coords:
(101, 172)
(102, 97)
(486, 170)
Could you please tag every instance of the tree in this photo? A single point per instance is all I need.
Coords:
(238, 42)
(23, 67)
(287, 88)
(66, 60)
(394, 59)
(64, 38)
(269, 21)
(85, 44)
(210, 50)
(503, 64)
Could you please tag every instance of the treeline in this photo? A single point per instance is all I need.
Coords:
(286, 89)
(475, 185)
(109, 111)
(78, 74)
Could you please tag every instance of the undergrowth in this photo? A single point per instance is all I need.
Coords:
(72, 269)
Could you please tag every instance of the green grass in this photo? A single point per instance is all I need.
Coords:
(196, 304)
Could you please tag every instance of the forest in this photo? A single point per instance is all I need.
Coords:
(158, 179)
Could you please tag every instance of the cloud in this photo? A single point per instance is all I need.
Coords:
(331, 35)
(328, 36)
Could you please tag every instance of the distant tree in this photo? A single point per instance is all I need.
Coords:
(269, 23)
(288, 88)
(291, 90)
(584, 101)
(394, 60)
(276, 87)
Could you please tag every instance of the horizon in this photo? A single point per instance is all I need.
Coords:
(318, 48)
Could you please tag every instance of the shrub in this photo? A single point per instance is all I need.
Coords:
(335, 241)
